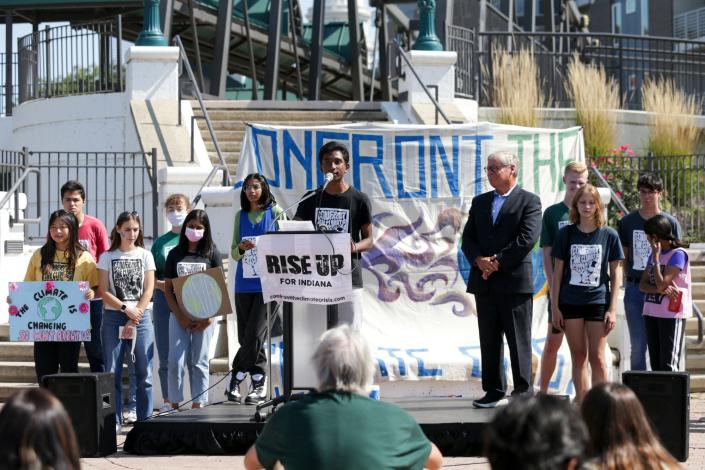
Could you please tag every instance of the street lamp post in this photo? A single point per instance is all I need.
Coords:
(151, 34)
(427, 40)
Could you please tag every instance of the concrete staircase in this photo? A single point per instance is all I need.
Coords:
(695, 353)
(230, 118)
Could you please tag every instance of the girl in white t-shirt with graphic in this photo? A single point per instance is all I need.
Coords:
(127, 280)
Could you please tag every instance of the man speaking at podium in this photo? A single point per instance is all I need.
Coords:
(339, 207)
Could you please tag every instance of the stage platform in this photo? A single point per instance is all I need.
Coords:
(229, 429)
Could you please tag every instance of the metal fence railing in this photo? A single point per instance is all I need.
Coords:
(462, 41)
(683, 179)
(3, 82)
(628, 59)
(114, 182)
(71, 60)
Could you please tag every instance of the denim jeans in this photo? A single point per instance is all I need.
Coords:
(188, 348)
(114, 350)
(161, 336)
(633, 309)
(94, 350)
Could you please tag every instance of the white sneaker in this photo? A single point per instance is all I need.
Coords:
(166, 407)
(131, 417)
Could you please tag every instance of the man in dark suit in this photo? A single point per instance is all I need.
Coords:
(502, 228)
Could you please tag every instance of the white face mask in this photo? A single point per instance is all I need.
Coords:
(176, 218)
(193, 234)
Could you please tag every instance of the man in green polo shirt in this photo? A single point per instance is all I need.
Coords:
(339, 427)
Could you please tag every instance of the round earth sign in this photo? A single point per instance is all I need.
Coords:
(201, 296)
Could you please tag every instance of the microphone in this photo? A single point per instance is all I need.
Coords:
(328, 179)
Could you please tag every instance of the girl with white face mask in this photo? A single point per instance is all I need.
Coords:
(177, 207)
(189, 340)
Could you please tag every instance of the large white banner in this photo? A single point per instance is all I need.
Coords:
(421, 181)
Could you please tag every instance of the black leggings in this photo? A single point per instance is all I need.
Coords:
(664, 337)
(251, 333)
(53, 357)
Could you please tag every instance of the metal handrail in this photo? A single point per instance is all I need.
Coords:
(699, 315)
(418, 79)
(13, 192)
(199, 97)
(615, 198)
(207, 181)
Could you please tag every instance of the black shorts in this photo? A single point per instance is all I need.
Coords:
(587, 312)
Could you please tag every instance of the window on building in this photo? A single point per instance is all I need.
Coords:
(645, 17)
(616, 18)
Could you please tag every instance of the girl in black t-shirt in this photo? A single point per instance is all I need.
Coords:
(189, 339)
(583, 295)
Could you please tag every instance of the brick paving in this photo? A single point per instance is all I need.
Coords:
(123, 461)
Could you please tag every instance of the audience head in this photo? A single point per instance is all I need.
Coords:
(539, 432)
(621, 436)
(343, 361)
(36, 433)
(588, 191)
(258, 188)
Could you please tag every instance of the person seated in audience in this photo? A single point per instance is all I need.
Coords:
(36, 433)
(541, 432)
(620, 434)
(339, 426)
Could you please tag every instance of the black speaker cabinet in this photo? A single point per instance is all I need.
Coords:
(88, 399)
(666, 400)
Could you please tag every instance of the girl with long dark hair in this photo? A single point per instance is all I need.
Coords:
(256, 217)
(127, 281)
(62, 258)
(189, 340)
(668, 302)
(36, 433)
(621, 437)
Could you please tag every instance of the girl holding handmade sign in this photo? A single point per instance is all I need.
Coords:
(189, 340)
(258, 212)
(126, 273)
(585, 286)
(62, 258)
(668, 302)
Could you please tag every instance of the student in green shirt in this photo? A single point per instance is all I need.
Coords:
(177, 207)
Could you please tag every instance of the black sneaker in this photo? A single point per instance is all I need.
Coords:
(258, 391)
(233, 391)
(489, 401)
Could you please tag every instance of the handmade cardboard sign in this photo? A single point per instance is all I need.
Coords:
(49, 311)
(203, 295)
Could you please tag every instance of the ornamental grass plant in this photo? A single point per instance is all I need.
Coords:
(672, 128)
(514, 86)
(595, 98)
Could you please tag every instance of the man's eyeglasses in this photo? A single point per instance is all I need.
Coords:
(647, 192)
(495, 169)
